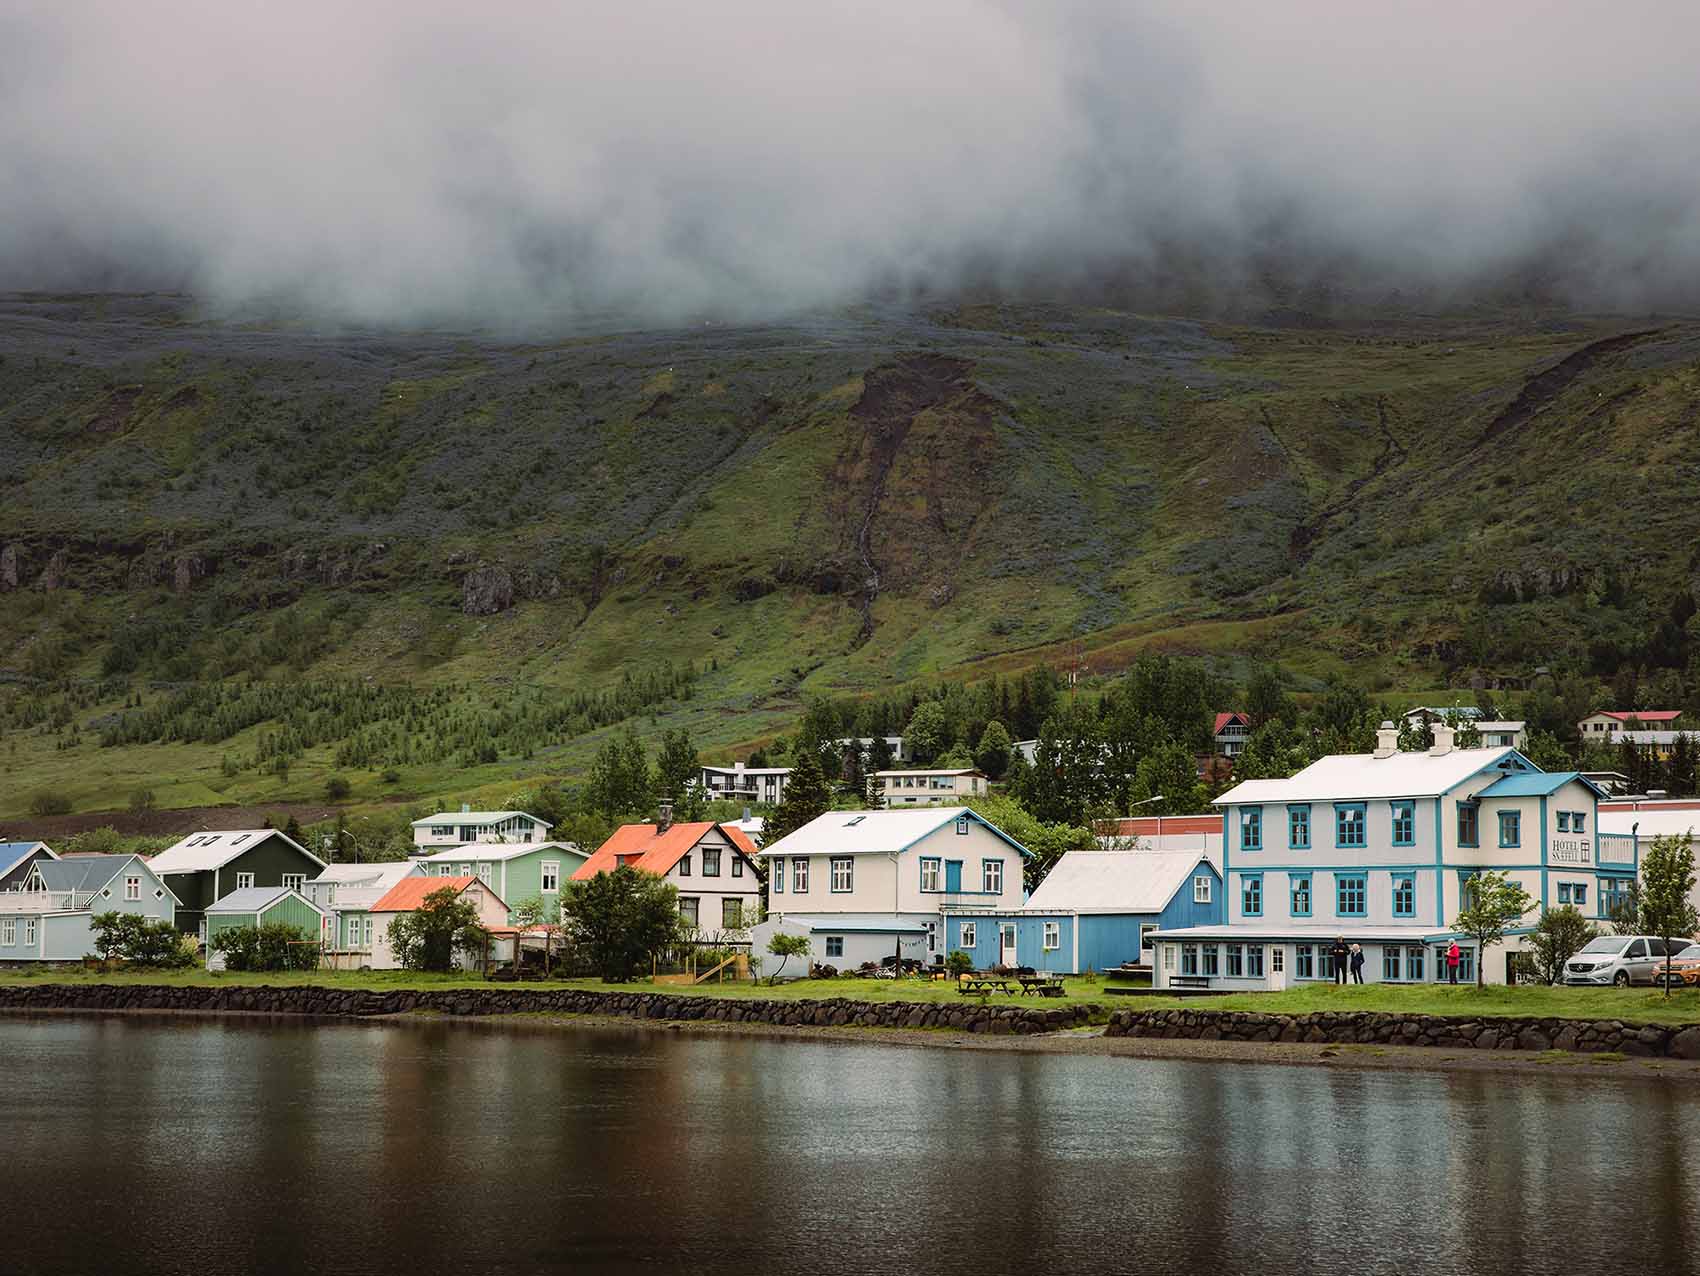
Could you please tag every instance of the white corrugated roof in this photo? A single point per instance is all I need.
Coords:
(201, 852)
(1653, 822)
(251, 899)
(476, 817)
(386, 873)
(1352, 930)
(491, 852)
(1346, 777)
(865, 832)
(1115, 881)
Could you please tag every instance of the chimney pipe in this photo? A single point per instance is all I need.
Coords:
(1386, 740)
(664, 817)
(1443, 737)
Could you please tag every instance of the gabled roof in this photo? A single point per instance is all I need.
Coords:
(1536, 784)
(14, 853)
(493, 852)
(410, 892)
(478, 817)
(1116, 881)
(81, 872)
(385, 872)
(1223, 719)
(642, 846)
(1640, 715)
(877, 832)
(203, 852)
(256, 899)
(1350, 777)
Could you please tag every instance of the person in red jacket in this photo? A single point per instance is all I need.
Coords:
(1453, 957)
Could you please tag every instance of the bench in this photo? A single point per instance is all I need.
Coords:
(1189, 981)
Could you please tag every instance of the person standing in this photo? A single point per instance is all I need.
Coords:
(1357, 964)
(1340, 953)
(1453, 957)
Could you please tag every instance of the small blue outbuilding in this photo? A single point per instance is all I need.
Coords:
(1093, 910)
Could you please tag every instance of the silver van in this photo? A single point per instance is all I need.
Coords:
(1618, 959)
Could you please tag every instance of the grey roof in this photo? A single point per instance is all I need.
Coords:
(252, 899)
(81, 872)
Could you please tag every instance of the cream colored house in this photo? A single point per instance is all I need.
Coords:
(408, 894)
(928, 788)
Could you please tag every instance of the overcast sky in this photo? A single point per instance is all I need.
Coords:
(418, 161)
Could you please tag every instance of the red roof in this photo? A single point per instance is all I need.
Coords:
(410, 892)
(1642, 715)
(643, 846)
(1148, 825)
(1223, 719)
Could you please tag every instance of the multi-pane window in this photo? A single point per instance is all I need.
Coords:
(1404, 895)
(1349, 824)
(1578, 822)
(1236, 961)
(737, 865)
(1404, 824)
(1510, 828)
(550, 880)
(1201, 890)
(1298, 828)
(1350, 894)
(1581, 893)
(132, 888)
(291, 881)
(777, 875)
(1564, 893)
(1304, 963)
(1254, 960)
(1564, 821)
(1212, 960)
(1469, 824)
(1251, 895)
(1052, 936)
(9, 932)
(29, 932)
(800, 876)
(843, 870)
(710, 861)
(835, 945)
(1301, 894)
(732, 913)
(1251, 829)
(684, 866)
(968, 934)
(1414, 965)
(688, 908)
(991, 876)
(1390, 964)
(929, 875)
(244, 881)
(1189, 958)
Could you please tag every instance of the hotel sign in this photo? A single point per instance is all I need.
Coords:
(1570, 850)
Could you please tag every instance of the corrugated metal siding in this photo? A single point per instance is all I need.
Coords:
(1109, 940)
(1030, 944)
(218, 922)
(985, 949)
(1182, 911)
(293, 911)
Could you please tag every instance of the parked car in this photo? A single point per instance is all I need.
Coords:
(1684, 967)
(1618, 959)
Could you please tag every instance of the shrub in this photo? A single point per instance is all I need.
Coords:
(621, 919)
(430, 936)
(958, 963)
(105, 840)
(337, 789)
(142, 941)
(142, 800)
(46, 803)
(392, 776)
(275, 946)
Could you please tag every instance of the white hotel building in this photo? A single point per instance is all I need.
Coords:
(1377, 849)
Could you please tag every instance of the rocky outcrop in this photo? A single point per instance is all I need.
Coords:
(486, 590)
(53, 576)
(186, 570)
(1455, 1032)
(11, 568)
(835, 1012)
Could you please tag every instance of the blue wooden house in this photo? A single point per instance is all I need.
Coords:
(1093, 911)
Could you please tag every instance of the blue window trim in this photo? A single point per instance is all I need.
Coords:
(1246, 879)
(1412, 879)
(1293, 879)
(1581, 893)
(1564, 821)
(1564, 893)
(1578, 821)
(921, 874)
(1298, 820)
(1345, 808)
(1340, 880)
(1513, 820)
(1475, 841)
(1409, 811)
(1251, 828)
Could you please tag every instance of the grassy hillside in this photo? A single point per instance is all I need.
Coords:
(738, 517)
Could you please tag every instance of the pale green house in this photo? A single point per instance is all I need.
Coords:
(515, 871)
(262, 906)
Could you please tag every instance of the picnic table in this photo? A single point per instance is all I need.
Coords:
(986, 985)
(1041, 985)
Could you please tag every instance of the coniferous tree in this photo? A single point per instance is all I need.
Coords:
(806, 796)
(677, 764)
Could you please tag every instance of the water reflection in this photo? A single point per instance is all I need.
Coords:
(185, 1145)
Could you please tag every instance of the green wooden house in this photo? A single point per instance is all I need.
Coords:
(204, 868)
(515, 871)
(261, 906)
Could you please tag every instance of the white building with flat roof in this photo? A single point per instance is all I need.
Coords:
(928, 788)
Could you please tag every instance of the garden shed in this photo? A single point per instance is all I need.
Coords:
(261, 906)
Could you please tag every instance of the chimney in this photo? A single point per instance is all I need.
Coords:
(1386, 740)
(1443, 736)
(664, 817)
(737, 766)
(466, 808)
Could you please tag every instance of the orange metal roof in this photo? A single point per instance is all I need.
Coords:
(641, 846)
(410, 892)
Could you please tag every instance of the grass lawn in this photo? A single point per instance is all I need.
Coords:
(1645, 1005)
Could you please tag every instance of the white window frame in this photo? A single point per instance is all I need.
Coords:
(244, 881)
(487, 874)
(1201, 889)
(133, 888)
(843, 874)
(1052, 939)
(549, 871)
(294, 881)
(800, 875)
(29, 932)
(991, 877)
(967, 935)
(9, 932)
(932, 870)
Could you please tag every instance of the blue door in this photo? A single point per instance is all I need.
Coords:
(952, 876)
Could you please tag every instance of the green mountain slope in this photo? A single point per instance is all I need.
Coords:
(847, 502)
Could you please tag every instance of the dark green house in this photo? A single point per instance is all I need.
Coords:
(205, 867)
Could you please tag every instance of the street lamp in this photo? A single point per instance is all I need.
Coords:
(1147, 802)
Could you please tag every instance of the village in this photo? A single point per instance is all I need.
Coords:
(1367, 867)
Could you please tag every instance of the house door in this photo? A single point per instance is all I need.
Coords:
(953, 877)
(1006, 944)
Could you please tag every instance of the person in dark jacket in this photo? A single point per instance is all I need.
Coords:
(1340, 953)
(1357, 964)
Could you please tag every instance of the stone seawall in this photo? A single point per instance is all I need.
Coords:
(305, 1000)
(1457, 1032)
